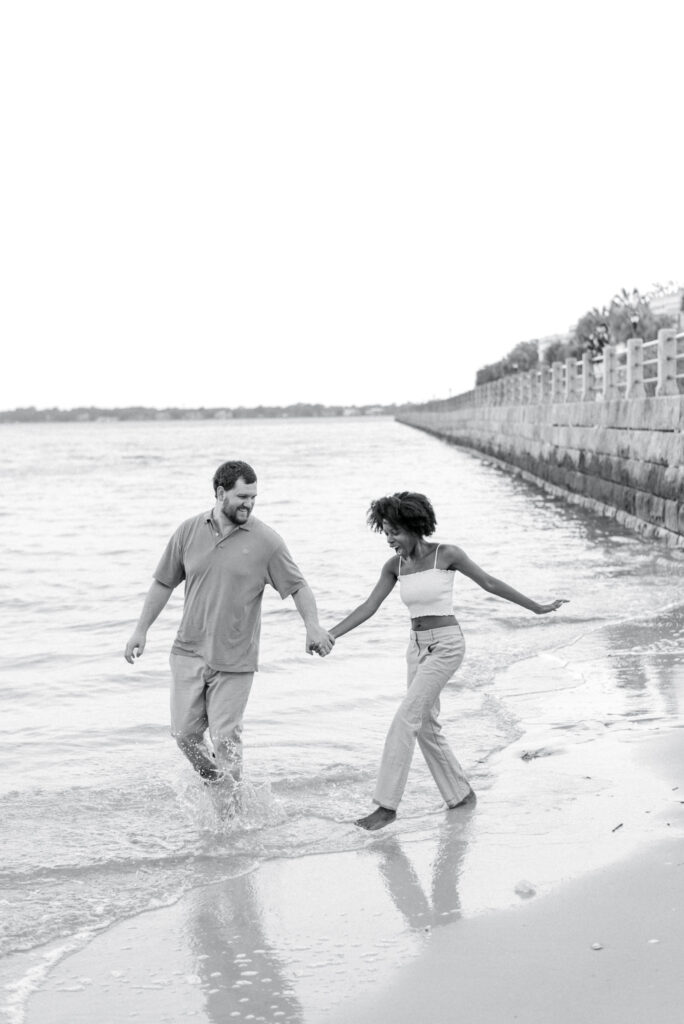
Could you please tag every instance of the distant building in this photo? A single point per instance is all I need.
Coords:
(671, 304)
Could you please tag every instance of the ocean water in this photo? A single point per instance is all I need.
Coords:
(102, 817)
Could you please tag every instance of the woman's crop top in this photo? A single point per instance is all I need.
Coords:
(429, 592)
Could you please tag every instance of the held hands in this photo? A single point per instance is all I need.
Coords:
(319, 640)
(544, 609)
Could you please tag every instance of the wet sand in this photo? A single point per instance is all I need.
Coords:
(559, 895)
(416, 926)
(606, 947)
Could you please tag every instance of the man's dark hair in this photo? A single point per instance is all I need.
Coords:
(405, 510)
(228, 474)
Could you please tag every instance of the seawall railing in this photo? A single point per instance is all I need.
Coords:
(633, 369)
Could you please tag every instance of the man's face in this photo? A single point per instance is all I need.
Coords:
(237, 503)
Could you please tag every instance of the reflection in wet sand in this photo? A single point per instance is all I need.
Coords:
(441, 904)
(240, 972)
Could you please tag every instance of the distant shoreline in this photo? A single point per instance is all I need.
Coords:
(95, 414)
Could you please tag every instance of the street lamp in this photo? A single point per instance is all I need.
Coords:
(634, 315)
(601, 336)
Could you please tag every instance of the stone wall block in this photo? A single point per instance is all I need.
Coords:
(655, 413)
(571, 458)
(650, 507)
(674, 448)
(577, 482)
(671, 514)
(612, 413)
(592, 463)
(670, 482)
(657, 449)
(647, 476)
(594, 414)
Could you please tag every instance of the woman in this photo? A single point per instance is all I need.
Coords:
(426, 573)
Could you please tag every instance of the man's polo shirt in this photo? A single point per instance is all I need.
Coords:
(225, 576)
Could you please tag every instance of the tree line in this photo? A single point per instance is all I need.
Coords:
(91, 413)
(627, 315)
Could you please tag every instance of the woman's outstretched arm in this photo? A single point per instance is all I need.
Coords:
(460, 561)
(388, 578)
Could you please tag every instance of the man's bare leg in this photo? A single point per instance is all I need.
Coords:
(380, 817)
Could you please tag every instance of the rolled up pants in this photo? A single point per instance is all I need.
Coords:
(432, 657)
(203, 698)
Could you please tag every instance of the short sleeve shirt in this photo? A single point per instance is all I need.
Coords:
(225, 576)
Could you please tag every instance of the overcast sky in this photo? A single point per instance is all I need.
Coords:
(221, 203)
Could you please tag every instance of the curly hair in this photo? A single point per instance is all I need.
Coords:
(228, 474)
(406, 510)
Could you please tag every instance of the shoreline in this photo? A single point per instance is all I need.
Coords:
(358, 935)
(604, 947)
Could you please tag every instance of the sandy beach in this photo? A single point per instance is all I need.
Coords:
(420, 924)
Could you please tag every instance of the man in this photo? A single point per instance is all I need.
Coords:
(226, 557)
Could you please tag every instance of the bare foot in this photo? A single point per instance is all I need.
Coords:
(467, 800)
(378, 819)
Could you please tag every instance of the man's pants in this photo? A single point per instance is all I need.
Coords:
(203, 698)
(432, 657)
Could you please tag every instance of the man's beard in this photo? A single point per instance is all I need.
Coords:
(235, 518)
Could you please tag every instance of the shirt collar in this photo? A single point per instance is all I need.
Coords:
(209, 518)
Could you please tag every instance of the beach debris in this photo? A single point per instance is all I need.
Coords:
(596, 945)
(617, 827)
(525, 889)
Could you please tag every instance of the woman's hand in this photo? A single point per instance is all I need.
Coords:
(322, 647)
(544, 609)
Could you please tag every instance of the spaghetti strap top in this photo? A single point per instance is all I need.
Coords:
(428, 592)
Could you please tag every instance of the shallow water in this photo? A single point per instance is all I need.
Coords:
(102, 817)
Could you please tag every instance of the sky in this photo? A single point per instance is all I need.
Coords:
(263, 203)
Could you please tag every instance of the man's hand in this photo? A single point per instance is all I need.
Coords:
(319, 640)
(135, 646)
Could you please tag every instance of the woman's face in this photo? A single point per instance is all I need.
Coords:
(400, 540)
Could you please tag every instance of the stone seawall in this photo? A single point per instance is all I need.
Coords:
(623, 458)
